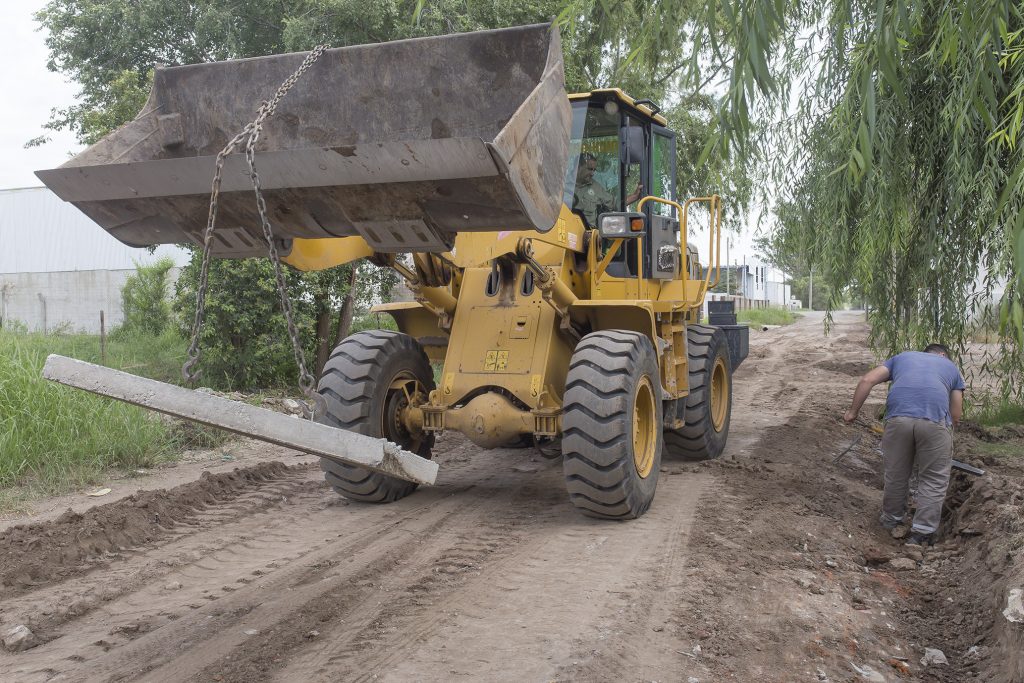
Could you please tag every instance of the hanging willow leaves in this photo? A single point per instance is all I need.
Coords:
(889, 134)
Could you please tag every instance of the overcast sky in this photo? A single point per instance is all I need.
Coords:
(31, 92)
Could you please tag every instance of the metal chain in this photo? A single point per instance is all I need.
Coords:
(250, 134)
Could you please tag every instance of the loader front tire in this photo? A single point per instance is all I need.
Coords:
(612, 425)
(709, 405)
(367, 383)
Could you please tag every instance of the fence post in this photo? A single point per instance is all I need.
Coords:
(103, 340)
(42, 302)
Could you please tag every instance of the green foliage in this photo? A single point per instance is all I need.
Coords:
(245, 342)
(766, 316)
(1001, 413)
(800, 287)
(155, 356)
(373, 321)
(57, 438)
(145, 298)
(776, 250)
(921, 198)
(726, 175)
(126, 94)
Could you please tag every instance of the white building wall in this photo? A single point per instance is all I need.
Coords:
(58, 269)
(65, 301)
(777, 294)
(40, 233)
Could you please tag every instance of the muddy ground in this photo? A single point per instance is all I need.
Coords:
(766, 565)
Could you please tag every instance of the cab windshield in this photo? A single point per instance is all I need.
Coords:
(593, 181)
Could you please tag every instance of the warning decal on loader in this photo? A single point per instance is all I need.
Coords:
(496, 361)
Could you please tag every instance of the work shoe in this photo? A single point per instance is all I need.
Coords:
(917, 538)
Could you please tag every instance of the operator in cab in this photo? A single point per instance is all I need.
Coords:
(591, 197)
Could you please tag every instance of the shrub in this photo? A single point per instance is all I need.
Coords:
(145, 300)
(245, 343)
(996, 413)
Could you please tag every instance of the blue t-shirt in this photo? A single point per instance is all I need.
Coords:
(920, 387)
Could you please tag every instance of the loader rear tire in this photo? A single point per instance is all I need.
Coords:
(366, 383)
(612, 425)
(709, 405)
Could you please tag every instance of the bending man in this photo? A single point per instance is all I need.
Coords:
(925, 402)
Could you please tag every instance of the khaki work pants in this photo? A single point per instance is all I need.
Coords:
(910, 444)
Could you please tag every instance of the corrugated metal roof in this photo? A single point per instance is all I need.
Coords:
(40, 233)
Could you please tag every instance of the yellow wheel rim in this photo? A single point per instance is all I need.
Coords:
(645, 433)
(406, 392)
(719, 395)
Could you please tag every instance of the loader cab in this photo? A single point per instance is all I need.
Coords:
(620, 150)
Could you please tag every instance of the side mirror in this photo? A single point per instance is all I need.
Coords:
(633, 152)
(623, 225)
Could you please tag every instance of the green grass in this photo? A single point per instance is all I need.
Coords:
(996, 414)
(766, 316)
(998, 449)
(53, 438)
(155, 356)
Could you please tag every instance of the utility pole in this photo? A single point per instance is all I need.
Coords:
(728, 283)
(810, 293)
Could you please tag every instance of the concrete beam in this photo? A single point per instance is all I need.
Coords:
(241, 418)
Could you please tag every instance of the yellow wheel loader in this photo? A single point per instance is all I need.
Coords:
(540, 234)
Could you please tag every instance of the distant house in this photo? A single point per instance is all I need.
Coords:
(753, 285)
(58, 269)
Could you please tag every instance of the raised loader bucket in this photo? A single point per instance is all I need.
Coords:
(403, 143)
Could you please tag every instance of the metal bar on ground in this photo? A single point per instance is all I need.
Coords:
(969, 469)
(241, 418)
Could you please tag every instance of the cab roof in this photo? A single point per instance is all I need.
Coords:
(618, 94)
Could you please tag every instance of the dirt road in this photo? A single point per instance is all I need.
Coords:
(764, 565)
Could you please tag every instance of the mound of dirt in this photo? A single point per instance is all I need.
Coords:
(844, 367)
(992, 434)
(35, 554)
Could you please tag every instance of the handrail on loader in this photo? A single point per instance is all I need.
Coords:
(714, 239)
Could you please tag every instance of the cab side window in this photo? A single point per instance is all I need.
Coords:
(664, 172)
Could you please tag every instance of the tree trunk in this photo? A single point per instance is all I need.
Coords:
(323, 339)
(347, 311)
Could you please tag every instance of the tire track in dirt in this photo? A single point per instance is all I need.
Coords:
(121, 572)
(502, 595)
(35, 555)
(327, 585)
(504, 532)
(219, 565)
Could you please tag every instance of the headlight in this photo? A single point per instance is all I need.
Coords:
(612, 225)
(621, 225)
